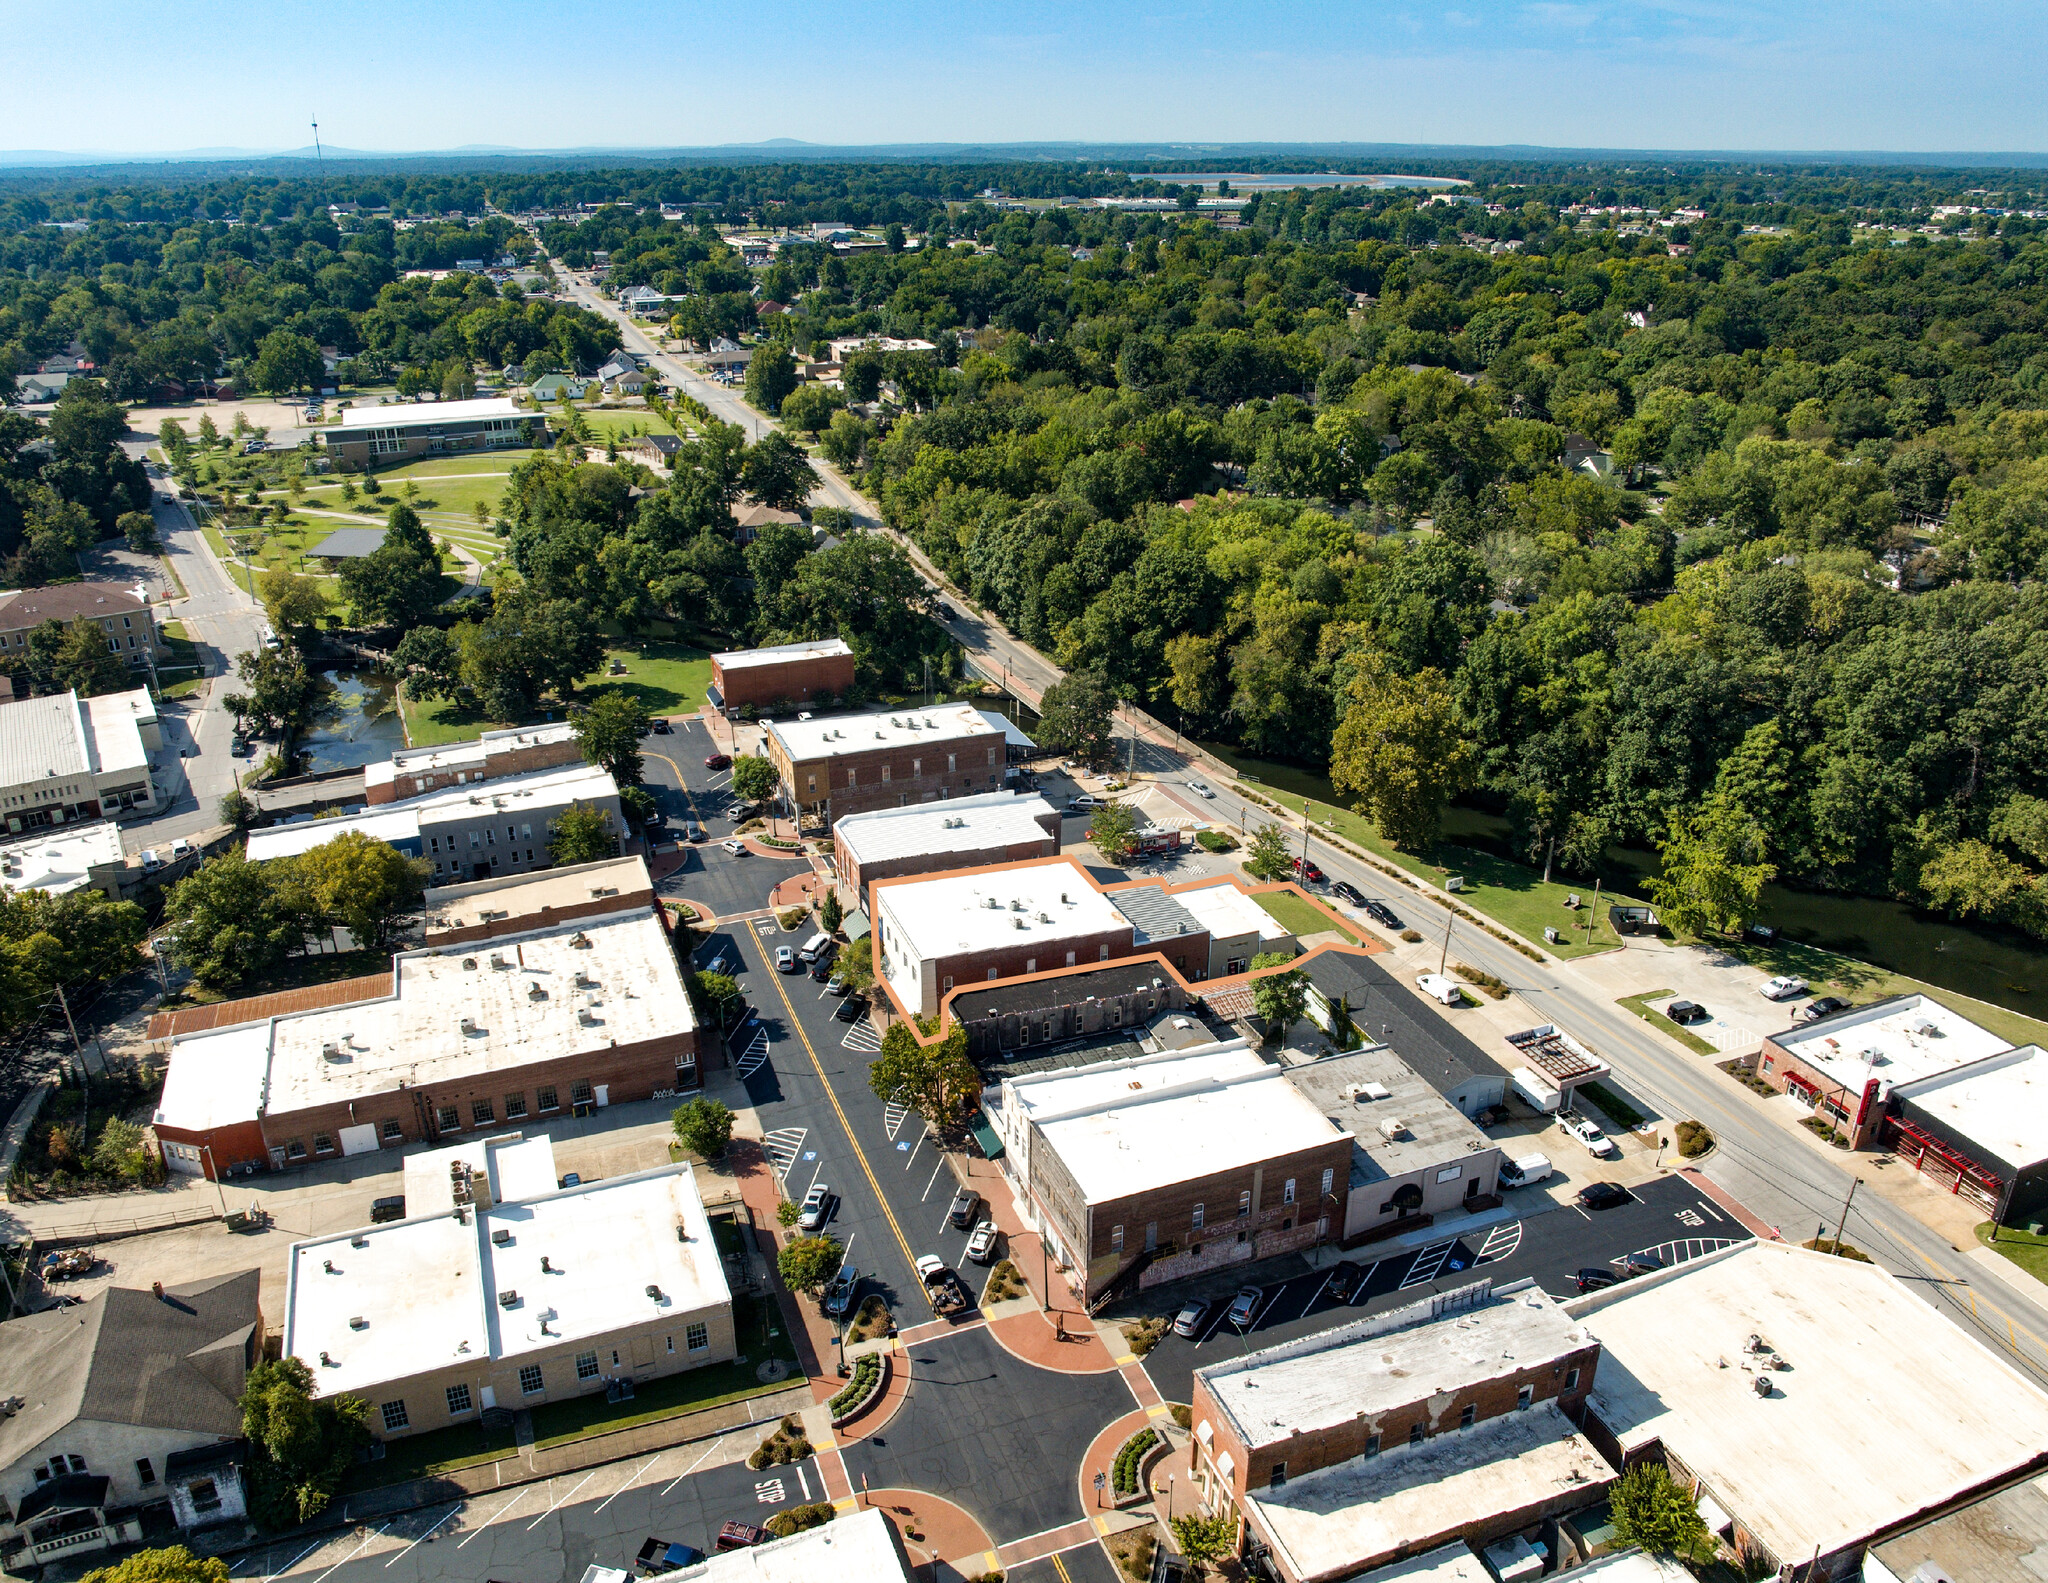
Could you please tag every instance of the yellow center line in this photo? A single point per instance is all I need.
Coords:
(859, 1154)
(1060, 1567)
(2013, 1330)
(680, 781)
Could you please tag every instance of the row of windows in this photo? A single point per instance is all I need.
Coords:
(532, 1380)
(1467, 1417)
(486, 837)
(1198, 1216)
(1031, 966)
(455, 865)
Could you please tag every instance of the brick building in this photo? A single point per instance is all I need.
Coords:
(64, 758)
(1452, 1418)
(565, 1017)
(925, 838)
(121, 610)
(1153, 1169)
(372, 437)
(787, 676)
(512, 1294)
(517, 750)
(1013, 1017)
(494, 909)
(845, 764)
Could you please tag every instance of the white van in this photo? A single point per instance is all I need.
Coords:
(816, 946)
(1520, 1173)
(270, 637)
(1439, 986)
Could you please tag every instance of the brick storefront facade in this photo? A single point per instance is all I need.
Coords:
(763, 680)
(860, 875)
(892, 774)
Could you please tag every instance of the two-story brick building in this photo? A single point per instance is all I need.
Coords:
(1452, 1418)
(516, 750)
(121, 610)
(836, 765)
(1153, 1169)
(784, 676)
(925, 838)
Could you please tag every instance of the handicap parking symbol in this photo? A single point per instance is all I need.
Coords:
(903, 1148)
(810, 1154)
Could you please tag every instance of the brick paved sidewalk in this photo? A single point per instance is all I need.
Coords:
(933, 1529)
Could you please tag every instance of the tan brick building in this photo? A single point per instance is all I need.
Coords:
(1451, 1418)
(373, 437)
(927, 838)
(844, 764)
(121, 610)
(788, 676)
(495, 909)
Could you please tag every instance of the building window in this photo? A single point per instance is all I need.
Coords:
(696, 1337)
(1287, 1192)
(1196, 1220)
(917, 769)
(952, 762)
(1525, 1396)
(394, 1416)
(1103, 954)
(885, 776)
(1372, 1445)
(515, 1106)
(458, 1399)
(810, 783)
(394, 1132)
(544, 1100)
(144, 1472)
(580, 1094)
(451, 1119)
(1329, 1180)
(1070, 959)
(671, 1340)
(945, 983)
(481, 1112)
(530, 1381)
(1571, 1380)
(991, 973)
(1415, 1434)
(526, 832)
(205, 1494)
(322, 1144)
(1244, 1202)
(1031, 964)
(586, 1365)
(1279, 1476)
(1470, 1415)
(295, 1150)
(474, 841)
(1116, 1239)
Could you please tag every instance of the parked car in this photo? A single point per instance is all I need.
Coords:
(1199, 789)
(1441, 987)
(719, 761)
(662, 728)
(1343, 1282)
(1602, 1195)
(965, 1203)
(1085, 803)
(1825, 1006)
(735, 846)
(1306, 870)
(180, 848)
(851, 1009)
(839, 1295)
(1591, 1280)
(947, 612)
(1639, 1263)
(821, 969)
(1759, 933)
(1686, 1011)
(941, 1285)
(1188, 1322)
(1782, 987)
(1243, 1306)
(238, 747)
(692, 831)
(1380, 913)
(785, 960)
(835, 985)
(151, 861)
(1520, 1172)
(816, 1209)
(1597, 1143)
(981, 1247)
(1349, 891)
(738, 1536)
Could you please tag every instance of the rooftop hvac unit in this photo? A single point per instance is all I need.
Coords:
(581, 942)
(469, 1025)
(584, 980)
(359, 1323)
(991, 903)
(895, 722)
(535, 992)
(500, 1237)
(1020, 923)
(508, 1299)
(358, 1242)
(1016, 905)
(1393, 1128)
(1045, 917)
(469, 964)
(330, 1052)
(498, 962)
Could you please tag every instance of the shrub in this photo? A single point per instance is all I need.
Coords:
(797, 1519)
(867, 1368)
(1411, 935)
(1214, 841)
(1124, 1474)
(1693, 1139)
(1652, 1511)
(793, 918)
(787, 1444)
(1144, 1334)
(1486, 981)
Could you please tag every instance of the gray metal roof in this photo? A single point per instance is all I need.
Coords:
(349, 544)
(1387, 1011)
(1153, 913)
(42, 739)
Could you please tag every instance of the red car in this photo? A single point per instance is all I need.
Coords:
(719, 761)
(1308, 871)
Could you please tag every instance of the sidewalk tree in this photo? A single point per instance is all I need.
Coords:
(583, 835)
(1077, 715)
(235, 810)
(830, 914)
(778, 474)
(753, 778)
(302, 1445)
(855, 966)
(703, 1126)
(1279, 999)
(1270, 855)
(610, 731)
(1204, 1540)
(807, 1264)
(292, 598)
(363, 884)
(937, 1081)
(76, 658)
(173, 1564)
(771, 375)
(1113, 828)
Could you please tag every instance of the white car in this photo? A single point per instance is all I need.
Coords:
(1782, 988)
(735, 847)
(1597, 1143)
(785, 959)
(151, 861)
(1441, 987)
(1199, 789)
(981, 1247)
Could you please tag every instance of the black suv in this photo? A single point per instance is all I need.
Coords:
(1349, 891)
(1383, 915)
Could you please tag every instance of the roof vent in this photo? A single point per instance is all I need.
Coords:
(469, 964)
(498, 962)
(325, 1361)
(1393, 1128)
(508, 1299)
(328, 1266)
(1021, 923)
(584, 981)
(535, 992)
(992, 904)
(654, 1292)
(500, 1237)
(1045, 917)
(469, 1025)
(358, 1241)
(1016, 905)
(331, 1052)
(359, 1323)
(581, 942)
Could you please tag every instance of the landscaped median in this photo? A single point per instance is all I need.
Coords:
(863, 1389)
(1640, 1005)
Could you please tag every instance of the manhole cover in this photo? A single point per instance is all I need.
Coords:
(771, 1371)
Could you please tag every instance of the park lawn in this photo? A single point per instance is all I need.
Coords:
(1639, 1004)
(667, 677)
(2023, 1247)
(1511, 894)
(1299, 917)
(624, 424)
(455, 466)
(1863, 982)
(427, 1455)
(183, 661)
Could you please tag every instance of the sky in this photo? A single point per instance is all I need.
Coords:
(413, 75)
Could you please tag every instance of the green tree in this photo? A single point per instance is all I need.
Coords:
(610, 730)
(830, 914)
(771, 375)
(76, 657)
(1973, 879)
(583, 835)
(1652, 1511)
(810, 408)
(233, 920)
(1205, 1540)
(1078, 716)
(76, 939)
(364, 884)
(399, 583)
(1113, 829)
(808, 1264)
(1713, 868)
(855, 965)
(703, 1126)
(1280, 999)
(286, 362)
(292, 599)
(1270, 856)
(778, 474)
(209, 431)
(235, 810)
(753, 778)
(119, 1151)
(937, 1081)
(139, 529)
(1401, 754)
(175, 1564)
(302, 1445)
(430, 661)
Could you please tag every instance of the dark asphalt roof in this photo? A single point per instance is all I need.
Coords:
(1387, 1010)
(349, 544)
(73, 1492)
(1067, 989)
(129, 1357)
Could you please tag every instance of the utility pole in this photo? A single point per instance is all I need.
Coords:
(1450, 923)
(1855, 1182)
(1593, 918)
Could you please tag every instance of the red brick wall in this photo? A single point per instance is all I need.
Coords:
(917, 773)
(789, 681)
(1783, 1066)
(520, 923)
(517, 761)
(859, 875)
(1011, 961)
(226, 1147)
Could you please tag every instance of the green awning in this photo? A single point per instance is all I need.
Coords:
(985, 1135)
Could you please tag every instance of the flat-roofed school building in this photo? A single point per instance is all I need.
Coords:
(390, 434)
(787, 675)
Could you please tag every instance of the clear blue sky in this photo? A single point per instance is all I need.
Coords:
(431, 74)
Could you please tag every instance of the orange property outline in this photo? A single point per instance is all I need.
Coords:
(1201, 987)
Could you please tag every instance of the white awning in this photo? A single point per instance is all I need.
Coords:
(1717, 1521)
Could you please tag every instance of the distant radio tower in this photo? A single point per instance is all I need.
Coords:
(319, 158)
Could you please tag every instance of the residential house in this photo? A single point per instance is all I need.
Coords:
(121, 610)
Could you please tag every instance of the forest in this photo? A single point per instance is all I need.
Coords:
(1724, 534)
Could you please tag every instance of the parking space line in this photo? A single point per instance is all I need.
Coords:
(716, 1442)
(543, 1517)
(408, 1550)
(630, 1482)
(927, 1193)
(500, 1512)
(1331, 1276)
(1433, 1257)
(344, 1561)
(295, 1560)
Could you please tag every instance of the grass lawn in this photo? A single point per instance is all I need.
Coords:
(443, 466)
(1863, 982)
(556, 1423)
(2018, 1244)
(624, 424)
(1301, 917)
(1509, 893)
(1639, 1004)
(424, 1455)
(182, 662)
(669, 678)
(1612, 1105)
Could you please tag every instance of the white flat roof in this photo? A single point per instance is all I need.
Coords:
(392, 414)
(2000, 1104)
(859, 1547)
(1362, 1369)
(407, 818)
(828, 736)
(464, 755)
(430, 1285)
(1912, 1037)
(1357, 1512)
(964, 824)
(1888, 1409)
(780, 654)
(519, 895)
(951, 914)
(1013, 734)
(392, 823)
(59, 859)
(1044, 1096)
(42, 739)
(415, 1034)
(116, 721)
(1226, 912)
(1221, 1114)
